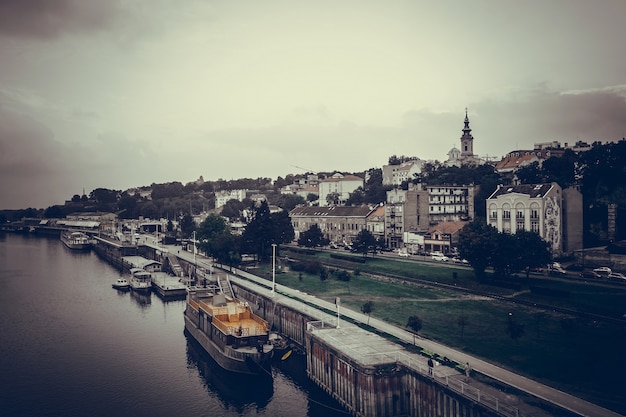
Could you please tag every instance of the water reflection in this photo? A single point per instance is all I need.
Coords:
(142, 300)
(233, 390)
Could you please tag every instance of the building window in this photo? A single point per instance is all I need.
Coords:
(493, 215)
(534, 227)
(519, 225)
(506, 214)
(534, 214)
(519, 214)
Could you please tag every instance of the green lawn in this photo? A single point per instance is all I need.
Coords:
(581, 356)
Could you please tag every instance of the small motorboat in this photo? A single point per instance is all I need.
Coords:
(121, 284)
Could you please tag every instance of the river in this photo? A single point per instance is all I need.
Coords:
(71, 345)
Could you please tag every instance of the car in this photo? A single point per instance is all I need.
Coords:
(403, 253)
(603, 270)
(460, 261)
(439, 257)
(556, 271)
(617, 276)
(589, 274)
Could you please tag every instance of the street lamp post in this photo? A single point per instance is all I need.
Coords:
(273, 268)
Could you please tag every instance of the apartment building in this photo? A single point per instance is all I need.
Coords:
(534, 207)
(339, 224)
(336, 189)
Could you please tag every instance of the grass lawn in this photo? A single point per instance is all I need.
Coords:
(578, 355)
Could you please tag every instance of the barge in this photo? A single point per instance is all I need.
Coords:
(228, 330)
(76, 240)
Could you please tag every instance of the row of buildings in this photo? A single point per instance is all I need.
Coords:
(429, 218)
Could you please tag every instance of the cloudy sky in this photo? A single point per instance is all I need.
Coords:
(117, 94)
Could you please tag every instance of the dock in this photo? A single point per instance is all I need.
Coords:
(168, 286)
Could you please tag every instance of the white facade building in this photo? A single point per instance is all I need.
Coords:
(221, 197)
(532, 207)
(339, 185)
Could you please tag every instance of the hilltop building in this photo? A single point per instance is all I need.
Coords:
(336, 189)
(396, 174)
(464, 156)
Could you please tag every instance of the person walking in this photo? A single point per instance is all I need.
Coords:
(430, 367)
(467, 371)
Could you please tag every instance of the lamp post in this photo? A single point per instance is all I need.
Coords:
(273, 268)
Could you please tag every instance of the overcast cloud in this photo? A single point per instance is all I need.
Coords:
(118, 94)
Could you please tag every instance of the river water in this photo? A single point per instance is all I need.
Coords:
(71, 345)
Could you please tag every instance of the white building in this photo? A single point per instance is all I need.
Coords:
(339, 186)
(406, 171)
(221, 197)
(533, 207)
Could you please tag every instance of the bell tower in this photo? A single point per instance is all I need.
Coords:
(467, 140)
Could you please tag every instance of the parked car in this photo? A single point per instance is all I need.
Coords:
(589, 274)
(617, 276)
(403, 253)
(439, 257)
(603, 270)
(460, 261)
(556, 271)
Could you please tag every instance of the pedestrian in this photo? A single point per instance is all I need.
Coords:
(430, 367)
(467, 372)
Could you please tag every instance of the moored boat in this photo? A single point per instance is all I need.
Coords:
(228, 330)
(76, 240)
(140, 280)
(121, 284)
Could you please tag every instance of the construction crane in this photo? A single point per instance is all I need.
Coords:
(304, 169)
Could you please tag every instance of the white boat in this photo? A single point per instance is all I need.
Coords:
(140, 280)
(76, 240)
(121, 284)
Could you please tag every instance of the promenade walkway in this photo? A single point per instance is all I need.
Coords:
(288, 296)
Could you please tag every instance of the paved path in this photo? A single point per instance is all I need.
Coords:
(534, 388)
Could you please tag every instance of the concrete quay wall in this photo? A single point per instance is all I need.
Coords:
(377, 386)
(386, 389)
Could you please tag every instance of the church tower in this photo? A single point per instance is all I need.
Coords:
(467, 141)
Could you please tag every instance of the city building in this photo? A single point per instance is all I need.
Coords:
(339, 224)
(443, 237)
(375, 222)
(399, 173)
(406, 211)
(222, 197)
(303, 186)
(335, 190)
(546, 209)
(450, 203)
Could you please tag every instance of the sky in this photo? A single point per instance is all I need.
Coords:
(124, 93)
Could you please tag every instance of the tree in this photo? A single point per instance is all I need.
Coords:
(533, 251)
(209, 232)
(504, 255)
(232, 209)
(477, 244)
(187, 225)
(312, 237)
(367, 308)
(364, 242)
(415, 324)
(332, 199)
(266, 229)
